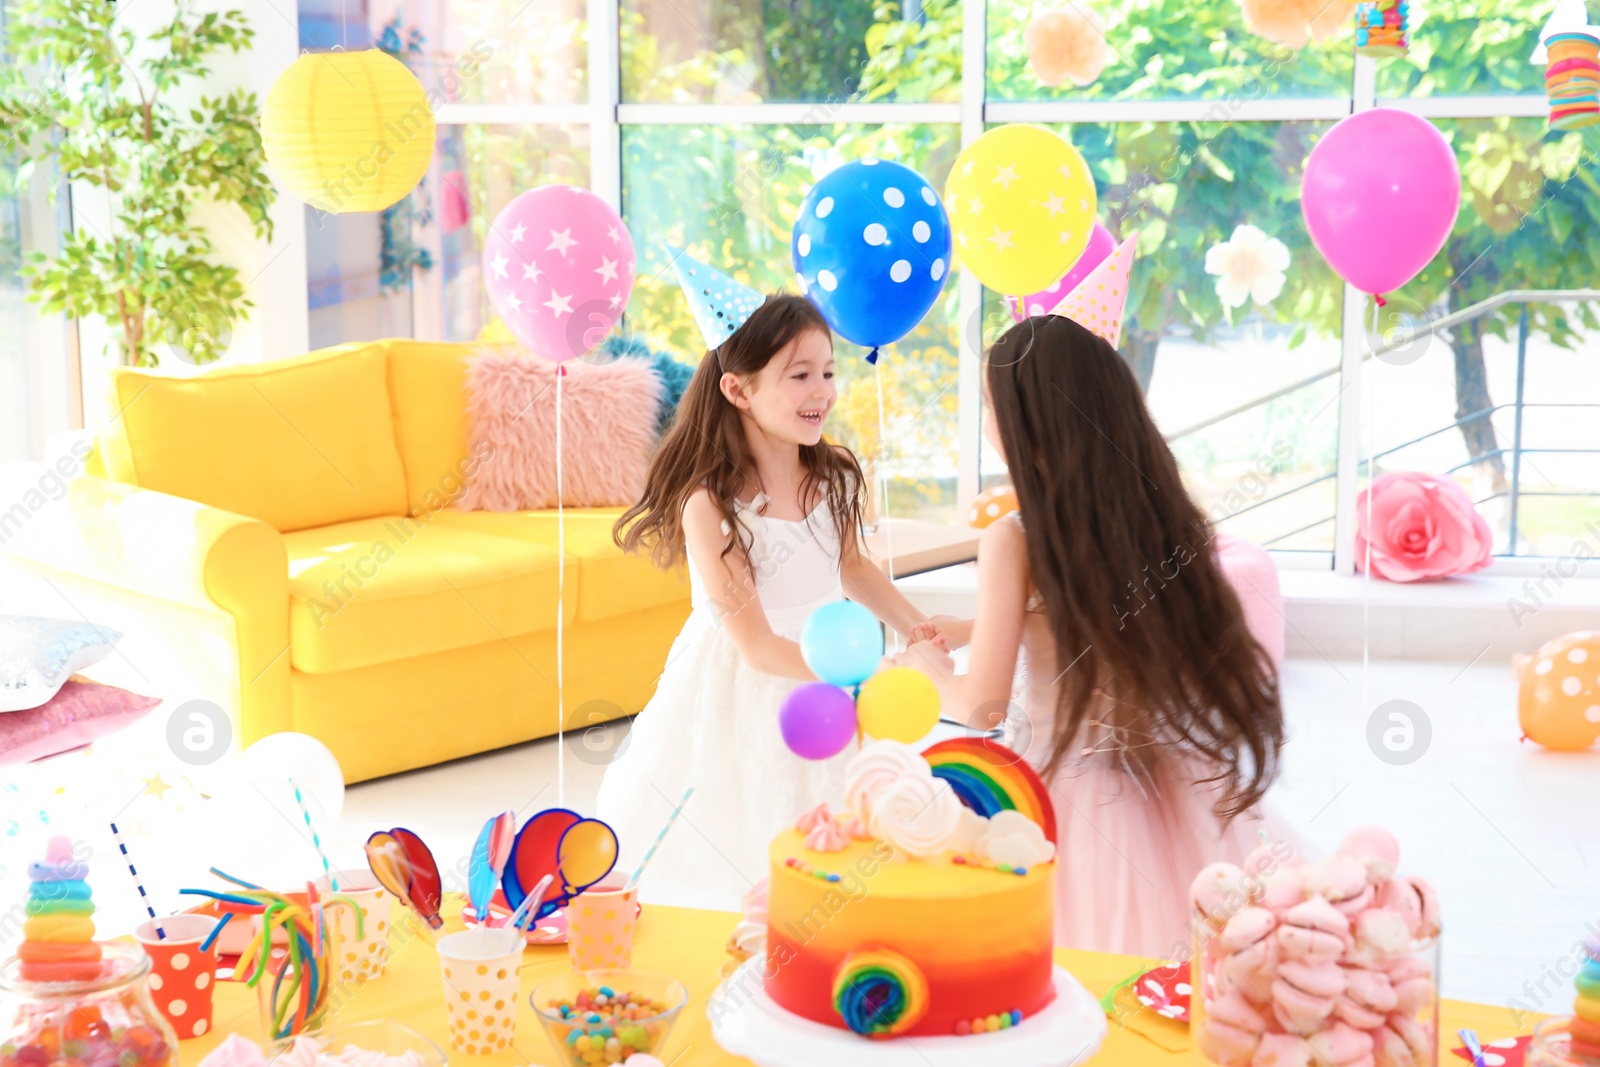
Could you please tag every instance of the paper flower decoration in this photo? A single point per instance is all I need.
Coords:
(1421, 526)
(1249, 266)
(1296, 22)
(1068, 44)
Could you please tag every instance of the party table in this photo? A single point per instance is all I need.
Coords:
(688, 944)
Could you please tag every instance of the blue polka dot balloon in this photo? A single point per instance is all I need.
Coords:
(872, 250)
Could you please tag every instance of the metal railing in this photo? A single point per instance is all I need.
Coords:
(1399, 339)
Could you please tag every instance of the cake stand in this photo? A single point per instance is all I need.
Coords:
(746, 1022)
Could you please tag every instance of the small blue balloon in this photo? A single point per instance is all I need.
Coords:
(871, 248)
(842, 643)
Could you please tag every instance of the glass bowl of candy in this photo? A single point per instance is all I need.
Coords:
(377, 1043)
(603, 1017)
(105, 1021)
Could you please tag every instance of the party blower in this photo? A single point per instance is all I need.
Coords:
(573, 852)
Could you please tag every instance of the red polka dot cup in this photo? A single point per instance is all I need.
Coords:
(182, 977)
(359, 958)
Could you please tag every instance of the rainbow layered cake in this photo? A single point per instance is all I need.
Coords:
(928, 906)
(58, 942)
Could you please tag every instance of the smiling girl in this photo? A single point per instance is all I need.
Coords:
(768, 515)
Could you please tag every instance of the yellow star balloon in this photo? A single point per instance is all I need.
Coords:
(1022, 204)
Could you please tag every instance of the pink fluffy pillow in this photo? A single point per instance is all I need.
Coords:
(80, 712)
(608, 430)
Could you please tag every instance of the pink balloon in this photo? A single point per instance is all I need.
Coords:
(1380, 195)
(558, 263)
(1100, 245)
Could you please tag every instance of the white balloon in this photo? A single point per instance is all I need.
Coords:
(276, 760)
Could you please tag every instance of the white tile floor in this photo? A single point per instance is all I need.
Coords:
(1503, 828)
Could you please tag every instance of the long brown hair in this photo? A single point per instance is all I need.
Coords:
(1138, 607)
(706, 446)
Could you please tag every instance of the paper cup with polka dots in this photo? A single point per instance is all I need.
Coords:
(480, 988)
(600, 924)
(359, 958)
(181, 976)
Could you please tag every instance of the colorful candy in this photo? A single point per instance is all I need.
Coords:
(880, 993)
(301, 982)
(58, 936)
(607, 1026)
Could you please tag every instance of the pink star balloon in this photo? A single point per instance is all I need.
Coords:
(558, 263)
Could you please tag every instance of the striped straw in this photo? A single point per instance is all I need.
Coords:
(305, 813)
(633, 880)
(116, 835)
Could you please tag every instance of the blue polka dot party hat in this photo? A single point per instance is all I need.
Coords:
(720, 304)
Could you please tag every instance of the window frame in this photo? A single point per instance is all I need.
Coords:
(606, 115)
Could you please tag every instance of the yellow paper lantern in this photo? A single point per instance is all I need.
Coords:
(348, 131)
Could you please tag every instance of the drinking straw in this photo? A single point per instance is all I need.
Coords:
(531, 902)
(633, 879)
(116, 835)
(1469, 1038)
(305, 813)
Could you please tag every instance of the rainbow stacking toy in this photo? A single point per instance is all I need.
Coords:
(1585, 1026)
(58, 942)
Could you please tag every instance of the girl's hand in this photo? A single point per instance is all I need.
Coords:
(929, 657)
(954, 632)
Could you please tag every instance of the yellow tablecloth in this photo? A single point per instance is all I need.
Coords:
(688, 944)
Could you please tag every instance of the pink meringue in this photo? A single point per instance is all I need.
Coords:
(1342, 881)
(856, 829)
(827, 836)
(809, 821)
(1375, 849)
(1282, 1050)
(234, 1051)
(1216, 893)
(1381, 935)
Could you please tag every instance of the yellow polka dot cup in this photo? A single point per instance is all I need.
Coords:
(181, 976)
(480, 988)
(359, 958)
(600, 925)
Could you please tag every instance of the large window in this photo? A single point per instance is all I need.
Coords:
(706, 121)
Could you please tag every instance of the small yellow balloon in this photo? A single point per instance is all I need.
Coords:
(1558, 700)
(898, 704)
(1022, 206)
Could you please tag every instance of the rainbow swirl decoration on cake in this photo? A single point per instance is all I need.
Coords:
(879, 993)
(988, 777)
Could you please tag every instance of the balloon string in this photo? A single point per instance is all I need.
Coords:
(1366, 564)
(561, 600)
(883, 469)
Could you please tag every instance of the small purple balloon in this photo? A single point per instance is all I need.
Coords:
(818, 720)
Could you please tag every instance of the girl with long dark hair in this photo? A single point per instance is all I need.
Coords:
(1146, 703)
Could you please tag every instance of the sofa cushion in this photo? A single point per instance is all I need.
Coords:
(428, 394)
(386, 589)
(296, 443)
(610, 582)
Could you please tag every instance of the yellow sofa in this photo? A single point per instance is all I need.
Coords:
(289, 528)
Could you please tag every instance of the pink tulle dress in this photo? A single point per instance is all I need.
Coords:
(1128, 843)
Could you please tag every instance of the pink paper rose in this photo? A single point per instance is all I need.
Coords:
(1422, 526)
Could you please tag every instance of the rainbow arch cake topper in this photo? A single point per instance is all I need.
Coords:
(988, 777)
(879, 993)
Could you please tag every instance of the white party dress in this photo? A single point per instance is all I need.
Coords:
(713, 725)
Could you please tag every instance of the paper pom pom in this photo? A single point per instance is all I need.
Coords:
(1296, 22)
(1067, 45)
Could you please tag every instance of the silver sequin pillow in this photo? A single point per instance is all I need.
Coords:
(37, 656)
